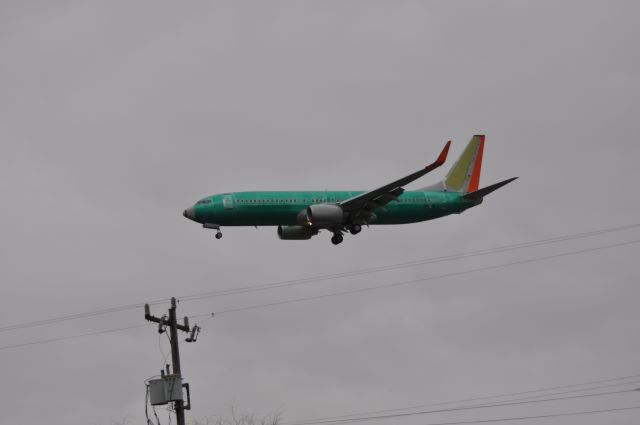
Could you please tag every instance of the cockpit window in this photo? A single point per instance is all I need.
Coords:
(203, 201)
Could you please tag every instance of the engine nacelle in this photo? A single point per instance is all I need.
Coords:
(324, 215)
(296, 233)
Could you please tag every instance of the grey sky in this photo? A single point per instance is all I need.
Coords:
(115, 116)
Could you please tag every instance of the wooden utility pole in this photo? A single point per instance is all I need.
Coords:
(172, 323)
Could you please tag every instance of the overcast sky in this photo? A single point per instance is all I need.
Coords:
(115, 116)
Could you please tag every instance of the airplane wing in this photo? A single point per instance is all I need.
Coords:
(365, 203)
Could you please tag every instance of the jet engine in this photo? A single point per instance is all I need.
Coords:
(296, 233)
(324, 215)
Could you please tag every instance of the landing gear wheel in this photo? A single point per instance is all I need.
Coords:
(218, 235)
(337, 239)
(355, 229)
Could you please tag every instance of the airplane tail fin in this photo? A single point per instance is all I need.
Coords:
(464, 176)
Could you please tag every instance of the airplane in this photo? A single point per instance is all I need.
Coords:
(300, 215)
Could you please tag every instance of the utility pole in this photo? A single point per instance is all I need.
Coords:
(165, 387)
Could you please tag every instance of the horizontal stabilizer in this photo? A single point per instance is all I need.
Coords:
(478, 194)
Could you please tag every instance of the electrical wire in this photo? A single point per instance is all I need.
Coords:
(156, 415)
(353, 291)
(343, 419)
(456, 409)
(146, 407)
(43, 322)
(301, 281)
(162, 353)
(588, 386)
(68, 337)
(546, 392)
(424, 279)
(451, 257)
(522, 418)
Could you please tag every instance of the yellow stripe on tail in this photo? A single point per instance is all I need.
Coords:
(464, 176)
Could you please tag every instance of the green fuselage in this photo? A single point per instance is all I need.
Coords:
(284, 208)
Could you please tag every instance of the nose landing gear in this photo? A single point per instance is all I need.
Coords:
(215, 227)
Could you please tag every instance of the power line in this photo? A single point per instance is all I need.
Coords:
(58, 319)
(64, 338)
(451, 257)
(420, 280)
(353, 291)
(455, 409)
(542, 392)
(274, 285)
(496, 404)
(522, 418)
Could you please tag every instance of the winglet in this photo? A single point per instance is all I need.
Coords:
(443, 155)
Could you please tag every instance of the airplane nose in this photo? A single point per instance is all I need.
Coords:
(190, 213)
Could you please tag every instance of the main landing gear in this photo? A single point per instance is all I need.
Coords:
(218, 234)
(337, 238)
